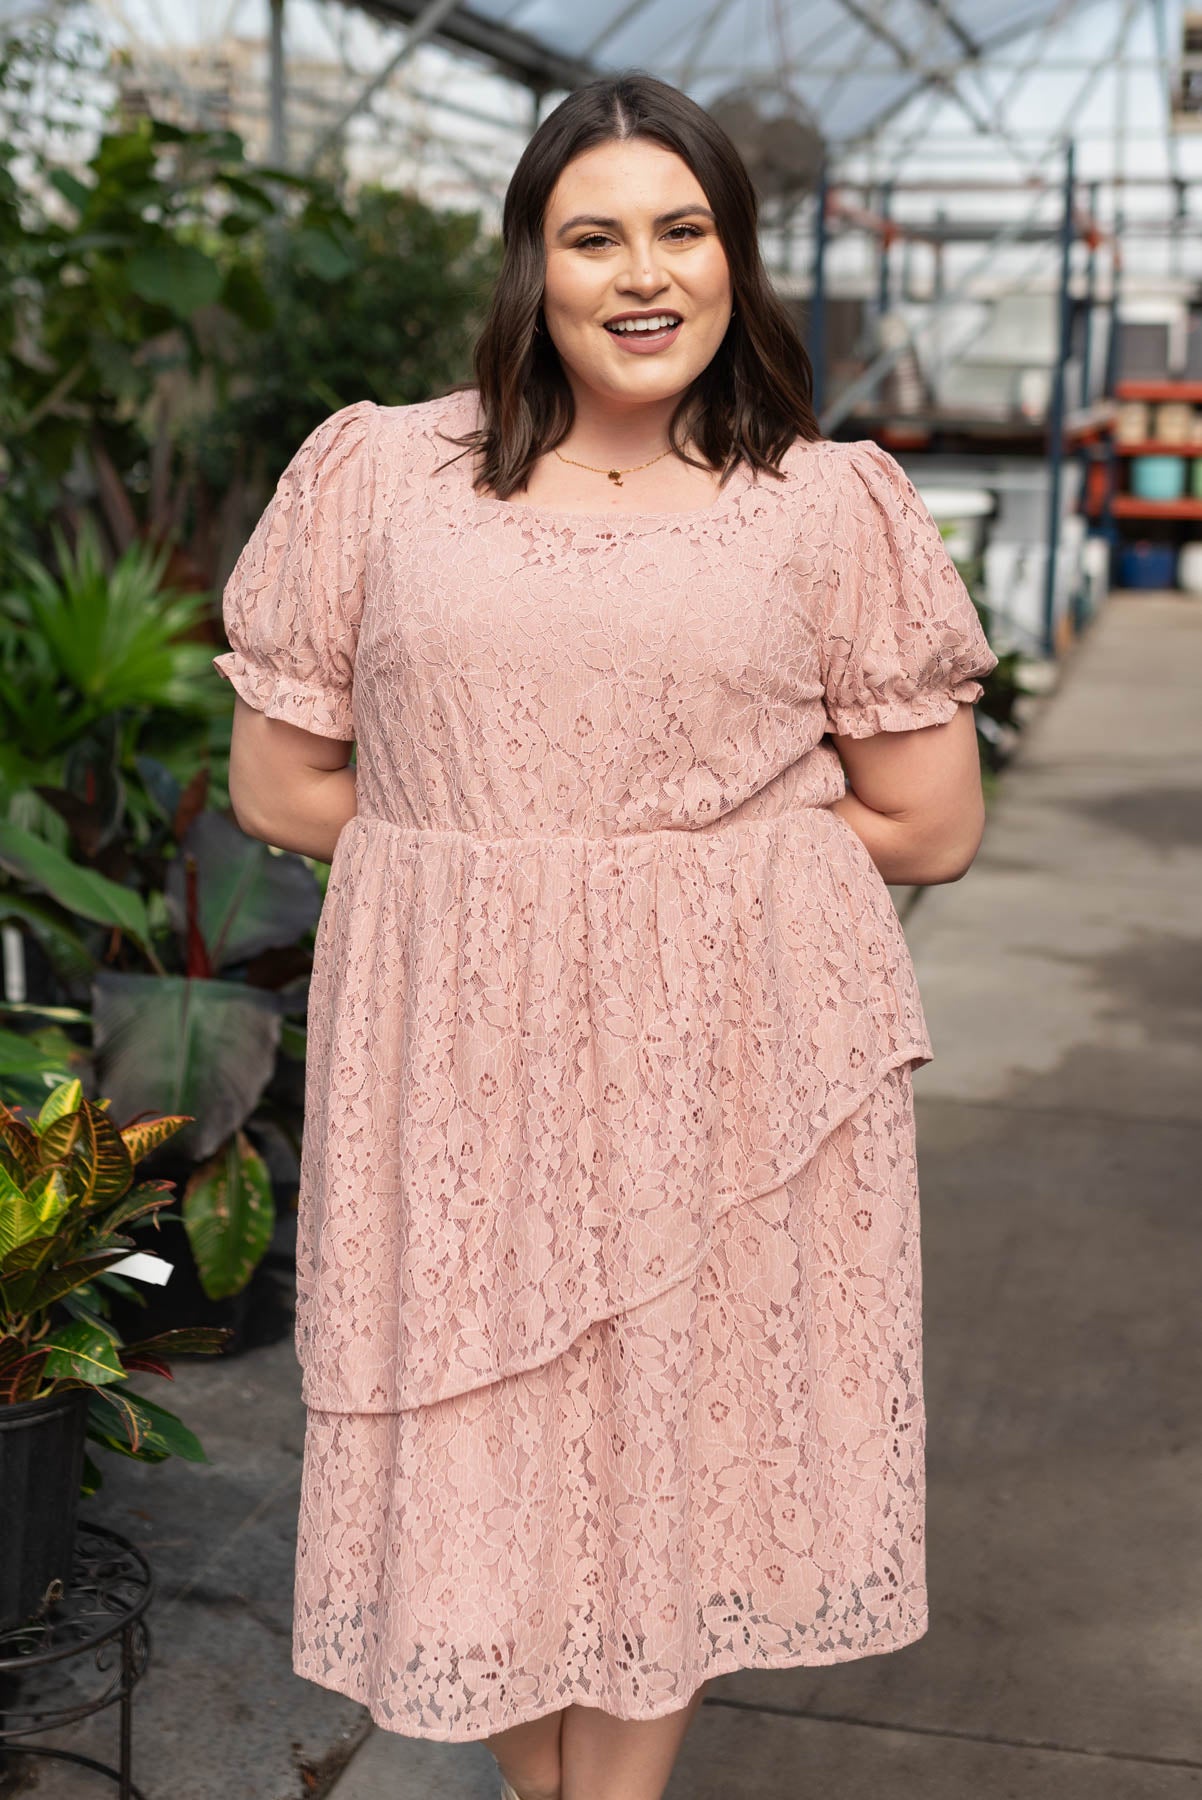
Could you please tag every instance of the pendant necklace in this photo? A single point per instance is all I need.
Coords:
(615, 475)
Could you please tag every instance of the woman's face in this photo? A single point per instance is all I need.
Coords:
(629, 236)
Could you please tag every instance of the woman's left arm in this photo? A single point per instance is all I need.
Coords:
(914, 799)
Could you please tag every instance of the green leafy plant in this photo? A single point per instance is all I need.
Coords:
(163, 929)
(177, 318)
(67, 1191)
(78, 646)
(181, 1024)
(173, 321)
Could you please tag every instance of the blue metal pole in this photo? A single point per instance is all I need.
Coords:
(818, 295)
(1110, 382)
(1056, 422)
(1091, 297)
(1112, 345)
(884, 260)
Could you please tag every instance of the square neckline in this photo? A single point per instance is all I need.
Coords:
(592, 519)
(552, 516)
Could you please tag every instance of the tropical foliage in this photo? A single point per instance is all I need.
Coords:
(67, 1192)
(173, 322)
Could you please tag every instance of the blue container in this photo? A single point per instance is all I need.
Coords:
(1158, 477)
(1145, 564)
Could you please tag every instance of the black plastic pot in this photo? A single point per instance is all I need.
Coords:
(41, 1467)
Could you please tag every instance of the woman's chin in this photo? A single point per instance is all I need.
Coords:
(648, 380)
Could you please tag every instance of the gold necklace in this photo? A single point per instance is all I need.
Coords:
(615, 475)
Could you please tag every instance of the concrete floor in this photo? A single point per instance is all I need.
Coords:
(1060, 1128)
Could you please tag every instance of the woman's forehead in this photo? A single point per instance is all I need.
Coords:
(628, 178)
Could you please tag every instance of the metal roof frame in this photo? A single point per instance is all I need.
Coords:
(519, 54)
(916, 60)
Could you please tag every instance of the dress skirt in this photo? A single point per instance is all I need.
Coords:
(729, 1475)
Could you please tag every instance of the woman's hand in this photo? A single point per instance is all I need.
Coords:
(914, 799)
(289, 787)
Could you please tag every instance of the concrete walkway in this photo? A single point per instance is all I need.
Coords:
(1060, 1132)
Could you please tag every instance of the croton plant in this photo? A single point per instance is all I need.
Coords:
(68, 1189)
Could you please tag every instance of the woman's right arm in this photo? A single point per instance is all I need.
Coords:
(289, 787)
(292, 607)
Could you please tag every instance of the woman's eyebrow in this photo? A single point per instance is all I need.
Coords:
(668, 218)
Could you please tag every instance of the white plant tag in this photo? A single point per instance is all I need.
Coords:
(143, 1267)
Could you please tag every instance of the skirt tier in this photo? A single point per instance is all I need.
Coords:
(726, 1475)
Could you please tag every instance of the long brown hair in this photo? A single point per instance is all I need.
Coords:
(750, 402)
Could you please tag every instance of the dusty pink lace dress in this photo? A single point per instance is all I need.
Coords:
(608, 1277)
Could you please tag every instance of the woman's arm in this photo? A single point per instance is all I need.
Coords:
(289, 787)
(914, 799)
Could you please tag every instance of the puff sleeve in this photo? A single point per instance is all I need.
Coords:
(901, 643)
(294, 599)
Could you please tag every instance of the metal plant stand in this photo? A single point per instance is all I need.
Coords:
(110, 1589)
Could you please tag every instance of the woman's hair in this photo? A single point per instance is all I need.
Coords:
(750, 402)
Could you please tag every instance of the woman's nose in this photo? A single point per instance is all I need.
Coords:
(643, 271)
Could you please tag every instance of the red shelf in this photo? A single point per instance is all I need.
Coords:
(1130, 506)
(1154, 449)
(1159, 390)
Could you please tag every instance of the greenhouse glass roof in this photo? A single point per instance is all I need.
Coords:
(918, 90)
(878, 56)
(1012, 80)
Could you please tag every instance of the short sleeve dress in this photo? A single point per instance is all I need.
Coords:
(608, 1267)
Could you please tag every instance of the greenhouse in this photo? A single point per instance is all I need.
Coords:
(497, 816)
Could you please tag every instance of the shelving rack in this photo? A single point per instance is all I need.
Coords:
(1074, 224)
(1086, 289)
(1117, 504)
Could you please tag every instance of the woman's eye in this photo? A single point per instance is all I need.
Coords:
(595, 237)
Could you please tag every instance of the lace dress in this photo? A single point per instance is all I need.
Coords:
(608, 1272)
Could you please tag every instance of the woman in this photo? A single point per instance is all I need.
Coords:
(608, 1279)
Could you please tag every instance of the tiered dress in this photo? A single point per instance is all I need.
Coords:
(608, 1268)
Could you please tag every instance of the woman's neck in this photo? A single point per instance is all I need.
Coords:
(618, 433)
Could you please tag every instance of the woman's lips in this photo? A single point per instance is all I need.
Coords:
(643, 343)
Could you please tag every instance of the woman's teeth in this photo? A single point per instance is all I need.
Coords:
(659, 322)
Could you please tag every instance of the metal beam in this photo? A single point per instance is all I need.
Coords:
(864, 16)
(705, 30)
(518, 54)
(443, 103)
(277, 142)
(941, 78)
(1056, 422)
(817, 319)
(863, 66)
(966, 185)
(950, 22)
(1064, 8)
(1035, 57)
(1110, 57)
(487, 188)
(1172, 147)
(660, 55)
(424, 26)
(916, 134)
(869, 380)
(941, 141)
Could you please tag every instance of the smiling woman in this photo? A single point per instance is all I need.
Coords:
(654, 280)
(607, 1264)
(633, 326)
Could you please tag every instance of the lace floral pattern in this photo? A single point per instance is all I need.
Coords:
(729, 1475)
(601, 985)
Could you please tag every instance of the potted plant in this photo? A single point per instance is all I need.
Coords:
(147, 919)
(68, 1189)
